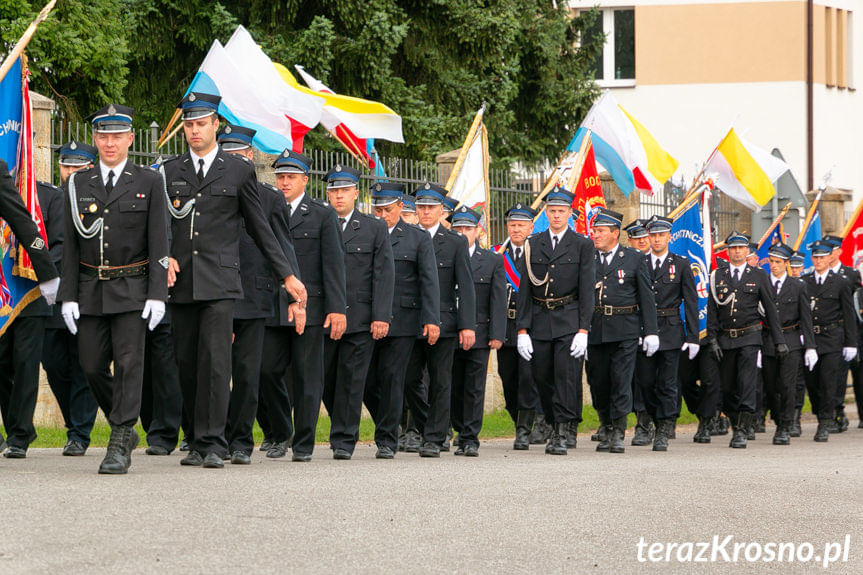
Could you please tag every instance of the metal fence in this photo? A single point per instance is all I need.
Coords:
(724, 211)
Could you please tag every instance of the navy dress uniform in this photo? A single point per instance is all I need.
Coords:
(673, 286)
(519, 390)
(470, 367)
(555, 302)
(115, 261)
(317, 239)
(59, 347)
(370, 279)
(636, 231)
(416, 303)
(625, 311)
(210, 197)
(734, 326)
(835, 338)
(780, 375)
(457, 313)
(260, 287)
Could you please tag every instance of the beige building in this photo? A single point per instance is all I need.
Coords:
(690, 69)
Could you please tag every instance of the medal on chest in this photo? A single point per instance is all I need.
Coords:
(671, 271)
(620, 275)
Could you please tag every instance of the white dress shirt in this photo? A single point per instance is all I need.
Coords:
(208, 160)
(118, 169)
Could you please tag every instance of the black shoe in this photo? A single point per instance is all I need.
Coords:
(721, 425)
(702, 435)
(118, 458)
(385, 452)
(524, 423)
(760, 423)
(643, 429)
(184, 445)
(445, 445)
(266, 444)
(301, 457)
(194, 459)
(741, 431)
(157, 450)
(278, 449)
(541, 430)
(571, 434)
(429, 449)
(74, 448)
(240, 458)
(795, 430)
(460, 450)
(401, 442)
(618, 432)
(213, 461)
(672, 431)
(341, 454)
(605, 434)
(601, 433)
(13, 452)
(663, 428)
(822, 434)
(557, 443)
(781, 436)
(832, 426)
(471, 450)
(413, 441)
(841, 420)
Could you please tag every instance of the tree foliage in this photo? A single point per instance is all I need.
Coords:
(432, 61)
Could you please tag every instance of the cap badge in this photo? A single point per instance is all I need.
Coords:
(192, 97)
(112, 110)
(73, 146)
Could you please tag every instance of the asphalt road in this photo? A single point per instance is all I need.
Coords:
(504, 512)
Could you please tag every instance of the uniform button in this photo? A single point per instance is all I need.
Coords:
(106, 244)
(107, 228)
(106, 211)
(199, 194)
(552, 266)
(107, 261)
(195, 252)
(551, 280)
(197, 213)
(196, 233)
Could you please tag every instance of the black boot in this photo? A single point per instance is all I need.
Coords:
(672, 429)
(740, 430)
(600, 431)
(643, 429)
(702, 435)
(841, 420)
(523, 425)
(781, 436)
(822, 434)
(604, 433)
(618, 431)
(760, 423)
(663, 428)
(795, 430)
(557, 444)
(541, 430)
(721, 425)
(118, 459)
(571, 434)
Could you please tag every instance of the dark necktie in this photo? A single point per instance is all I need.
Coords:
(736, 276)
(605, 257)
(200, 170)
(517, 253)
(657, 266)
(342, 223)
(553, 243)
(778, 285)
(109, 187)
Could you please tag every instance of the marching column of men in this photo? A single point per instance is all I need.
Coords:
(281, 303)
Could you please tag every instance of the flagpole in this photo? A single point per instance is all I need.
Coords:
(774, 224)
(25, 39)
(486, 183)
(351, 151)
(579, 159)
(808, 221)
(171, 135)
(471, 134)
(168, 127)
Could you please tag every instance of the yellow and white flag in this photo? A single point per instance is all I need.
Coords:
(745, 172)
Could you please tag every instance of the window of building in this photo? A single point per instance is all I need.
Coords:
(615, 65)
(838, 48)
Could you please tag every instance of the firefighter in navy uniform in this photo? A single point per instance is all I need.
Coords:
(625, 311)
(115, 264)
(471, 366)
(317, 239)
(370, 279)
(59, 347)
(796, 263)
(519, 389)
(415, 313)
(555, 307)
(458, 322)
(673, 285)
(835, 335)
(780, 375)
(734, 326)
(211, 194)
(637, 235)
(852, 276)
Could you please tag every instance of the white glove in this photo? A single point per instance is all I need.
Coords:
(692, 348)
(849, 353)
(155, 310)
(578, 347)
(758, 360)
(524, 346)
(49, 290)
(70, 313)
(651, 344)
(810, 358)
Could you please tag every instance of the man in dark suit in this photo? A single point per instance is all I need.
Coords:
(835, 334)
(115, 262)
(250, 313)
(211, 194)
(59, 347)
(470, 366)
(780, 375)
(519, 390)
(625, 310)
(555, 307)
(458, 322)
(369, 274)
(673, 286)
(317, 239)
(415, 313)
(734, 326)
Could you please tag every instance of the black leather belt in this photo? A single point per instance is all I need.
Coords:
(611, 310)
(667, 312)
(826, 327)
(554, 303)
(510, 314)
(114, 272)
(789, 328)
(735, 333)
